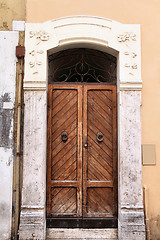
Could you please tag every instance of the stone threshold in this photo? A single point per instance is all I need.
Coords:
(78, 233)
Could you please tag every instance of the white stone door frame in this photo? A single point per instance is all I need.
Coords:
(120, 40)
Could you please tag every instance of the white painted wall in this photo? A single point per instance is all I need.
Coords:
(8, 42)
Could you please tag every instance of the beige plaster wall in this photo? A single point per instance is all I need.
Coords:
(11, 10)
(146, 13)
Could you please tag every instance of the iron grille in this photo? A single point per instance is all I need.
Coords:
(82, 66)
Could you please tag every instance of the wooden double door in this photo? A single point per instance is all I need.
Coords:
(82, 151)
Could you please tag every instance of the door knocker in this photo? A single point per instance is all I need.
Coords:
(100, 137)
(64, 136)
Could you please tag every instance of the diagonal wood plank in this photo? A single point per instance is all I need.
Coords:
(95, 171)
(94, 162)
(106, 194)
(104, 98)
(58, 140)
(58, 193)
(62, 160)
(68, 126)
(104, 111)
(108, 94)
(94, 205)
(64, 172)
(65, 113)
(57, 99)
(98, 97)
(99, 146)
(100, 151)
(98, 109)
(95, 122)
(100, 199)
(56, 93)
(96, 116)
(91, 175)
(65, 149)
(63, 200)
(58, 172)
(62, 144)
(103, 162)
(64, 102)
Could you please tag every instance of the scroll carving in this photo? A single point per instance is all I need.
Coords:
(34, 63)
(126, 37)
(134, 55)
(130, 61)
(35, 55)
(133, 66)
(40, 36)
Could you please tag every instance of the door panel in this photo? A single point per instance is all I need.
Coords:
(87, 114)
(100, 155)
(64, 169)
(99, 200)
(63, 201)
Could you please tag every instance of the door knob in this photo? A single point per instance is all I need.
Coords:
(85, 145)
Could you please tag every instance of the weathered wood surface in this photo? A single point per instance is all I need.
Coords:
(64, 178)
(99, 158)
(82, 112)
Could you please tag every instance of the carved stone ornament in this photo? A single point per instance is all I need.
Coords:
(126, 37)
(134, 66)
(40, 36)
(33, 52)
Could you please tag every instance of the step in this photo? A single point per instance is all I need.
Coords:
(79, 233)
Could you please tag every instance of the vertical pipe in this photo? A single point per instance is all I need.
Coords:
(145, 194)
(17, 167)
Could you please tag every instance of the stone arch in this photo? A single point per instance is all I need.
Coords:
(120, 40)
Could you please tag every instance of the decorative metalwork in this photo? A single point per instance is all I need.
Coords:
(100, 137)
(82, 65)
(64, 136)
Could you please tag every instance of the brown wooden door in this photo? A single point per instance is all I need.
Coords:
(82, 151)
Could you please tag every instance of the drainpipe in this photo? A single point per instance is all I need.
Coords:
(145, 194)
(20, 51)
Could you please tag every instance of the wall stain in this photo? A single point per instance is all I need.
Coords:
(6, 117)
(4, 210)
(155, 228)
(11, 10)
